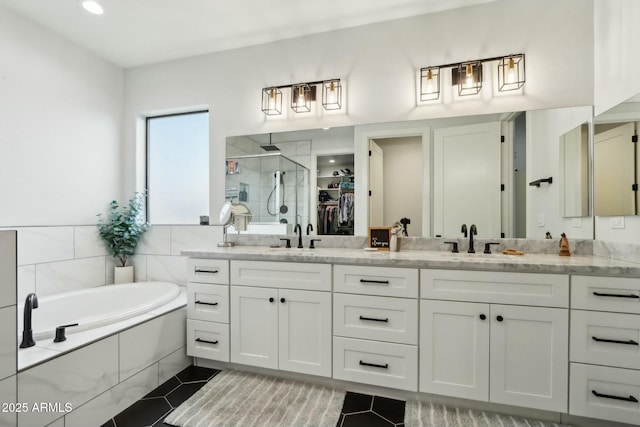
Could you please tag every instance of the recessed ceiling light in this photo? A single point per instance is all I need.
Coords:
(326, 128)
(92, 6)
(332, 161)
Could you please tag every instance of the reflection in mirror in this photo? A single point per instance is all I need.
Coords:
(574, 164)
(615, 160)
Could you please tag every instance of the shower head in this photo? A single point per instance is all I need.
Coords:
(269, 147)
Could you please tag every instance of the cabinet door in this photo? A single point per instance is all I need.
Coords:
(454, 349)
(305, 332)
(529, 357)
(254, 326)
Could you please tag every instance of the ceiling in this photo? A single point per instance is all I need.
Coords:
(138, 32)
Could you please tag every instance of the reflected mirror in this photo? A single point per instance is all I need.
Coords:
(574, 176)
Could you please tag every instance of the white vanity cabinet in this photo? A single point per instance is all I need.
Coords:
(375, 326)
(498, 337)
(277, 322)
(208, 309)
(605, 348)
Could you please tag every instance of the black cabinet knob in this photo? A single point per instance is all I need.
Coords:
(483, 317)
(271, 299)
(499, 318)
(283, 300)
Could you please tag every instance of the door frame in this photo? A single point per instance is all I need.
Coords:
(362, 135)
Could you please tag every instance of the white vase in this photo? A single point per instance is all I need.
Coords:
(123, 274)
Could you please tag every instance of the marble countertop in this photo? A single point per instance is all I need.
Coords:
(533, 263)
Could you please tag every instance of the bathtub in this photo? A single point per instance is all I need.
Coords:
(95, 307)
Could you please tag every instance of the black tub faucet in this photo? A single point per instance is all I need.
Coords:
(27, 333)
(473, 231)
(298, 230)
(463, 230)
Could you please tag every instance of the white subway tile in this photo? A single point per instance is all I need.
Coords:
(167, 269)
(44, 244)
(112, 402)
(88, 242)
(26, 281)
(64, 276)
(156, 241)
(194, 237)
(8, 394)
(172, 364)
(8, 341)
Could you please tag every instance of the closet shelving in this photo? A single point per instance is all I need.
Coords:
(336, 187)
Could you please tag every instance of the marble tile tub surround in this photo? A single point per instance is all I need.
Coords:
(66, 258)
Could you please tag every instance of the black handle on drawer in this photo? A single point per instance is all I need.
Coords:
(373, 319)
(600, 294)
(282, 300)
(271, 299)
(499, 318)
(384, 282)
(483, 317)
(199, 270)
(205, 341)
(610, 396)
(630, 342)
(385, 366)
(206, 303)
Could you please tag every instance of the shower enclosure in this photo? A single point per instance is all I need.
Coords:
(274, 187)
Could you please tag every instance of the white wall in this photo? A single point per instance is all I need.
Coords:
(544, 128)
(616, 47)
(60, 125)
(379, 64)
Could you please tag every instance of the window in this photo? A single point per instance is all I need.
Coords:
(178, 168)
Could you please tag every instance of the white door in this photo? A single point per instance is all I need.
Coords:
(305, 332)
(529, 357)
(454, 349)
(466, 179)
(254, 326)
(376, 185)
(614, 172)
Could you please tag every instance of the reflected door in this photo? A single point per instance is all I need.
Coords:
(614, 171)
(376, 185)
(466, 172)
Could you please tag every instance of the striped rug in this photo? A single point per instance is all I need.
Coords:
(425, 414)
(235, 398)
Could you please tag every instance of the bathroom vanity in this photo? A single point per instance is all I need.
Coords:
(551, 333)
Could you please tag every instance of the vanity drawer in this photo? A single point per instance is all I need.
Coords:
(376, 318)
(208, 271)
(547, 290)
(208, 302)
(619, 294)
(383, 281)
(292, 275)
(618, 393)
(208, 340)
(377, 363)
(605, 338)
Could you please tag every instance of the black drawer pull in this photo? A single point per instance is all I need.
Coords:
(609, 396)
(206, 303)
(385, 366)
(200, 270)
(373, 319)
(383, 282)
(600, 294)
(630, 342)
(205, 341)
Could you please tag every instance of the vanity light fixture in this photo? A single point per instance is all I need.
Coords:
(92, 6)
(468, 76)
(302, 95)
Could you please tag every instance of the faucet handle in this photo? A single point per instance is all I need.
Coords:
(487, 247)
(60, 332)
(288, 242)
(311, 245)
(454, 247)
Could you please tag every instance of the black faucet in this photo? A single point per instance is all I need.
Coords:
(298, 230)
(27, 333)
(473, 231)
(463, 230)
(309, 228)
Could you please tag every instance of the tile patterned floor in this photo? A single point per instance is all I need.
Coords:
(358, 410)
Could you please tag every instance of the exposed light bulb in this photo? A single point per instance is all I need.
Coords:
(272, 100)
(92, 6)
(331, 94)
(301, 100)
(511, 72)
(469, 81)
(430, 87)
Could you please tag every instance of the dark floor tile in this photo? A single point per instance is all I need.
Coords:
(365, 419)
(164, 388)
(356, 402)
(182, 393)
(108, 424)
(196, 373)
(391, 409)
(143, 413)
(161, 423)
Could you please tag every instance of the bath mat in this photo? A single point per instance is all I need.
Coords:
(235, 398)
(425, 414)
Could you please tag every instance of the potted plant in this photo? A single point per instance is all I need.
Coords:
(122, 232)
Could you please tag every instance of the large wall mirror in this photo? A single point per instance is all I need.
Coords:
(438, 173)
(574, 172)
(616, 160)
